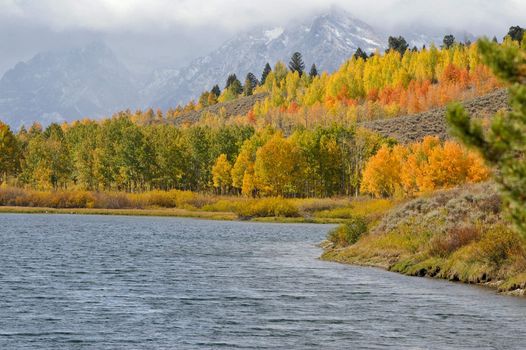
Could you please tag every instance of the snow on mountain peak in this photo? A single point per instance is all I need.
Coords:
(273, 34)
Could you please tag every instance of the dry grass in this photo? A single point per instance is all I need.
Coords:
(458, 235)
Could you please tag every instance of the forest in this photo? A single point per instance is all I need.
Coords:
(303, 140)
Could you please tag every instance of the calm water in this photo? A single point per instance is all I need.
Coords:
(85, 282)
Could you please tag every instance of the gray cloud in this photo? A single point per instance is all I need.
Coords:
(163, 32)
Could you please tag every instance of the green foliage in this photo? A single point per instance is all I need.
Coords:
(449, 40)
(313, 71)
(397, 44)
(504, 144)
(456, 235)
(9, 160)
(359, 53)
(348, 233)
(266, 72)
(516, 33)
(251, 83)
(296, 63)
(216, 90)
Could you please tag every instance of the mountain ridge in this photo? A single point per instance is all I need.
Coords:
(74, 83)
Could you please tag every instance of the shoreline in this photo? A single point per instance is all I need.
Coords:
(514, 291)
(165, 212)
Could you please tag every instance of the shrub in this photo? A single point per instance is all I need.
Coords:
(498, 245)
(348, 233)
(445, 244)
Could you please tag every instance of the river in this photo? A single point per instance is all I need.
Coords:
(103, 282)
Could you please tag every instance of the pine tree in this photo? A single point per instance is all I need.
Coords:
(234, 85)
(359, 53)
(216, 90)
(251, 82)
(516, 33)
(266, 72)
(449, 40)
(398, 44)
(313, 71)
(230, 80)
(296, 63)
(504, 144)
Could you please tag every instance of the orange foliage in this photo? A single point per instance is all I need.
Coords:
(421, 167)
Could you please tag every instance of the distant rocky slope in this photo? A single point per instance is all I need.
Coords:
(66, 85)
(415, 127)
(237, 107)
(327, 39)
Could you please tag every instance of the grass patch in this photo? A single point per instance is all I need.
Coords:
(456, 235)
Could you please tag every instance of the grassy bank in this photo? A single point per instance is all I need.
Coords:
(186, 204)
(458, 235)
(174, 212)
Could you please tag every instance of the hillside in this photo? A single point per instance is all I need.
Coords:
(239, 106)
(458, 234)
(433, 123)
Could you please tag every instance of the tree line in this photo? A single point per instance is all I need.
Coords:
(119, 155)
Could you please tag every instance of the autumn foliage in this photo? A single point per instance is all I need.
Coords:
(421, 167)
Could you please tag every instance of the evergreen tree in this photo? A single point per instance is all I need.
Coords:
(296, 63)
(359, 53)
(216, 90)
(230, 80)
(516, 33)
(449, 40)
(504, 144)
(313, 71)
(398, 44)
(266, 72)
(251, 82)
(234, 85)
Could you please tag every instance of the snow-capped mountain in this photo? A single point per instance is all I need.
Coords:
(327, 40)
(92, 81)
(66, 85)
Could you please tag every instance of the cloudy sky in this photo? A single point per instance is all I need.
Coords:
(171, 32)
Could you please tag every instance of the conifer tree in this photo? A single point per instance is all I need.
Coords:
(296, 63)
(230, 80)
(449, 40)
(504, 144)
(266, 72)
(251, 82)
(359, 53)
(313, 71)
(216, 90)
(398, 44)
(516, 33)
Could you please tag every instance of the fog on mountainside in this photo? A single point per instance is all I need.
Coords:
(65, 85)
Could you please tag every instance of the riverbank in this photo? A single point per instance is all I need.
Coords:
(189, 204)
(161, 212)
(458, 235)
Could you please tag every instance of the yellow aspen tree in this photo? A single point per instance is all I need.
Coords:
(221, 174)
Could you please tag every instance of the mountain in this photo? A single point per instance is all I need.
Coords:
(70, 84)
(420, 36)
(327, 40)
(66, 85)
